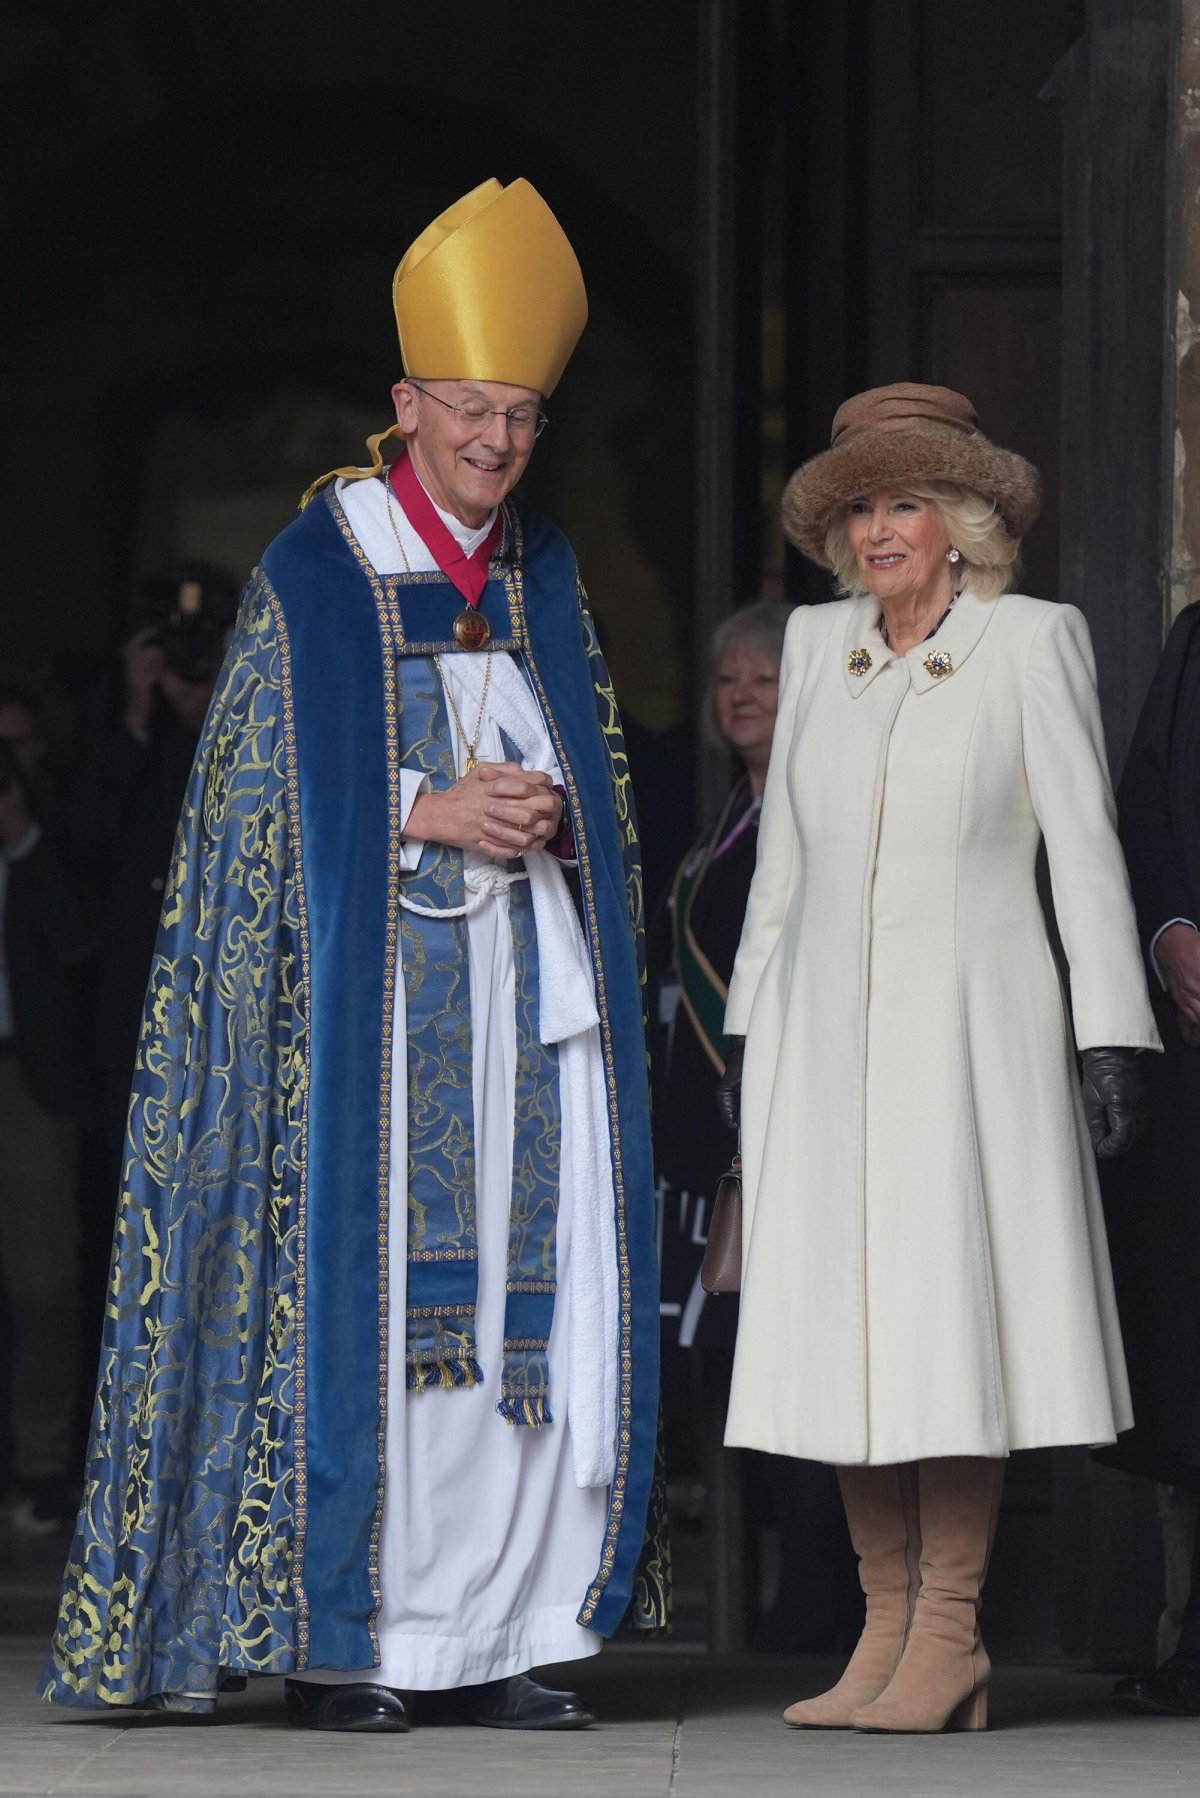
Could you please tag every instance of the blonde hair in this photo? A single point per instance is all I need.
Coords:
(760, 627)
(990, 553)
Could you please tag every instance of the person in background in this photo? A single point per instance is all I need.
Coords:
(707, 905)
(135, 740)
(140, 756)
(45, 1088)
(706, 909)
(1152, 1197)
(926, 1283)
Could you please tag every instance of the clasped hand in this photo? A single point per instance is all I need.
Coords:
(499, 808)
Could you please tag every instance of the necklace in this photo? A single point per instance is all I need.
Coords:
(471, 628)
(883, 629)
(470, 744)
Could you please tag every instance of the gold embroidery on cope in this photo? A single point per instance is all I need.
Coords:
(248, 798)
(300, 1002)
(387, 613)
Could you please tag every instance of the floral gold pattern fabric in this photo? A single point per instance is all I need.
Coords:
(182, 1564)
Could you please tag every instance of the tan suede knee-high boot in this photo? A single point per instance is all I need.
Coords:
(881, 1510)
(941, 1682)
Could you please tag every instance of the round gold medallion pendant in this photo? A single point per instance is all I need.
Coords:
(471, 629)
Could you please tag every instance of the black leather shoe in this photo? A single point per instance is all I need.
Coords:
(368, 1710)
(520, 1703)
(1172, 1690)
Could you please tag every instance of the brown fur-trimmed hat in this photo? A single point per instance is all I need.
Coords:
(907, 432)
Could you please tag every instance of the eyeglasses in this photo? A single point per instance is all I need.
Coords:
(523, 421)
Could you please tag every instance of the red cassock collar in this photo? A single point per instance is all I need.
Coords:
(468, 573)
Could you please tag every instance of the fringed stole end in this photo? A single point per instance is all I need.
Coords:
(531, 1411)
(441, 1348)
(310, 493)
(525, 1382)
(425, 1376)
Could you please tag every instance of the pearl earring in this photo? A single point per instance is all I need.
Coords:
(952, 555)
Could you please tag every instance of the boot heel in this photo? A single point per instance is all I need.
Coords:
(972, 1713)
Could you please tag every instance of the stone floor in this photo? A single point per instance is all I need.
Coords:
(676, 1725)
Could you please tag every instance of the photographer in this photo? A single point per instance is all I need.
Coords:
(147, 744)
(44, 1091)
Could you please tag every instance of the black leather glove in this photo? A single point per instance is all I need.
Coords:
(729, 1089)
(1115, 1101)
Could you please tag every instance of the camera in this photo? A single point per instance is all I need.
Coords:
(192, 613)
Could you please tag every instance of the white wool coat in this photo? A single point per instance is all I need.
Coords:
(925, 1270)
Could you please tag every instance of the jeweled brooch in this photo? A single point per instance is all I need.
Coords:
(938, 663)
(859, 661)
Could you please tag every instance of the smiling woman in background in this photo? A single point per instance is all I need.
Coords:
(811, 1607)
(707, 905)
(926, 1281)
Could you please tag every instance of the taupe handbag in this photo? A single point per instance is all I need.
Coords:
(721, 1269)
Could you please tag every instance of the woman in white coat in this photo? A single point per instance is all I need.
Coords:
(926, 1282)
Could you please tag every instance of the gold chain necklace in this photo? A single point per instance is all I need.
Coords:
(470, 744)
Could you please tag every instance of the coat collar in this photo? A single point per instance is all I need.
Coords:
(864, 650)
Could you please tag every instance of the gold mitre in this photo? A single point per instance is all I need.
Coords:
(491, 291)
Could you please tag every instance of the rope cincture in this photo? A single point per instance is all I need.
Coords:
(481, 884)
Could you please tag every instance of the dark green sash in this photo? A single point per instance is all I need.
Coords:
(702, 992)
